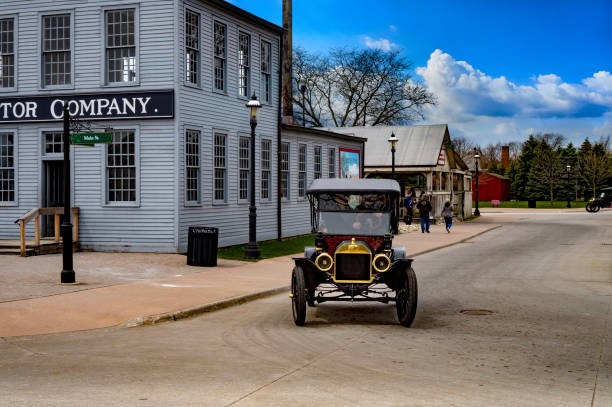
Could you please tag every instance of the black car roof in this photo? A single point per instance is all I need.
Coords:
(356, 185)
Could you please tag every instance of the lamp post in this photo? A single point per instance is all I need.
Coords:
(569, 168)
(303, 91)
(252, 249)
(67, 275)
(476, 157)
(393, 141)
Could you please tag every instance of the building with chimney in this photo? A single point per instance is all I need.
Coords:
(169, 79)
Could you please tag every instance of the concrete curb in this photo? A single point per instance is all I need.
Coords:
(200, 309)
(454, 243)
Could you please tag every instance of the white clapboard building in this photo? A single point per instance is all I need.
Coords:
(170, 80)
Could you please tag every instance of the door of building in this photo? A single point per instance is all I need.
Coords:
(53, 193)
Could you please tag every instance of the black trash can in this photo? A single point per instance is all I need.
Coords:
(531, 203)
(202, 246)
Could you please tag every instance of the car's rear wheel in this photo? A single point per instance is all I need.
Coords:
(406, 297)
(298, 296)
(595, 207)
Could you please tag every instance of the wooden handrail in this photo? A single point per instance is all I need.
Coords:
(35, 214)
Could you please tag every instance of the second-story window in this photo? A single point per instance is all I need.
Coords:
(317, 162)
(56, 50)
(7, 53)
(331, 163)
(244, 163)
(120, 46)
(220, 45)
(302, 170)
(266, 79)
(244, 54)
(192, 47)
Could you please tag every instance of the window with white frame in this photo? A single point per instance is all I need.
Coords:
(302, 170)
(284, 170)
(220, 163)
(7, 53)
(317, 162)
(265, 168)
(192, 47)
(331, 163)
(54, 142)
(121, 167)
(244, 162)
(192, 166)
(56, 50)
(120, 46)
(266, 78)
(7, 167)
(220, 55)
(244, 55)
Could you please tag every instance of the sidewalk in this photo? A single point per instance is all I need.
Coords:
(138, 288)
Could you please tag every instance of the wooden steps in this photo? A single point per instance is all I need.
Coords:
(47, 246)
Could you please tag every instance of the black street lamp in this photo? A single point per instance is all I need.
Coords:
(393, 140)
(67, 276)
(476, 157)
(252, 249)
(569, 168)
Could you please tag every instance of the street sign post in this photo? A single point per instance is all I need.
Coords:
(90, 138)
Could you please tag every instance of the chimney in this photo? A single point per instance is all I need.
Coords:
(287, 63)
(505, 156)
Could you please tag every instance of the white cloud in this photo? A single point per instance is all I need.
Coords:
(393, 28)
(604, 130)
(483, 106)
(381, 43)
(465, 92)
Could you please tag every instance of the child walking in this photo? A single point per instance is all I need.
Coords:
(447, 213)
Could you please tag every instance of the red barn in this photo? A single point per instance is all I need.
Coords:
(491, 186)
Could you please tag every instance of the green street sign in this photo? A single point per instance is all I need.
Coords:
(90, 139)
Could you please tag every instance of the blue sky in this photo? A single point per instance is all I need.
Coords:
(500, 69)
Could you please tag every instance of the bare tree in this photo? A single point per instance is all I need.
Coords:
(352, 87)
(595, 168)
(464, 148)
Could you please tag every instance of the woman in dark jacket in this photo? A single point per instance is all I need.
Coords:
(424, 207)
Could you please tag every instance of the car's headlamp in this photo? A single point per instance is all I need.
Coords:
(387, 241)
(381, 263)
(319, 241)
(324, 262)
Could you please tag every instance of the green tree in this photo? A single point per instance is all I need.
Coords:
(512, 173)
(521, 178)
(546, 172)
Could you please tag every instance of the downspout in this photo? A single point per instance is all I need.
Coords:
(279, 218)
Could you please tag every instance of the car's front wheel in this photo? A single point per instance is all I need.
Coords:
(406, 297)
(298, 296)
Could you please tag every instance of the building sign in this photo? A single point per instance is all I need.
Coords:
(350, 164)
(106, 106)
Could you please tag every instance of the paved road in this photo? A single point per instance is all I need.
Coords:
(548, 280)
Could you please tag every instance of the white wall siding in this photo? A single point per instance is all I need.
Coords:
(208, 111)
(296, 210)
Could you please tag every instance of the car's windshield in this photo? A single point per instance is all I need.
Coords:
(354, 223)
(354, 202)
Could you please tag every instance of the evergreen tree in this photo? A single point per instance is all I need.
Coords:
(546, 172)
(569, 156)
(512, 174)
(521, 179)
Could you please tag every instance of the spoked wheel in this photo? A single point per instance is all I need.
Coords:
(406, 297)
(588, 207)
(595, 208)
(298, 296)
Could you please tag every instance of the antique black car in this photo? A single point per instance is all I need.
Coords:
(603, 201)
(353, 258)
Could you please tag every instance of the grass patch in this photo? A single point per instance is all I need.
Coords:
(539, 204)
(269, 248)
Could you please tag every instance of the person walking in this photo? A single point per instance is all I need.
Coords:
(447, 213)
(424, 207)
(409, 204)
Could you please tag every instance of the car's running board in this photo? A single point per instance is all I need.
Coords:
(384, 300)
